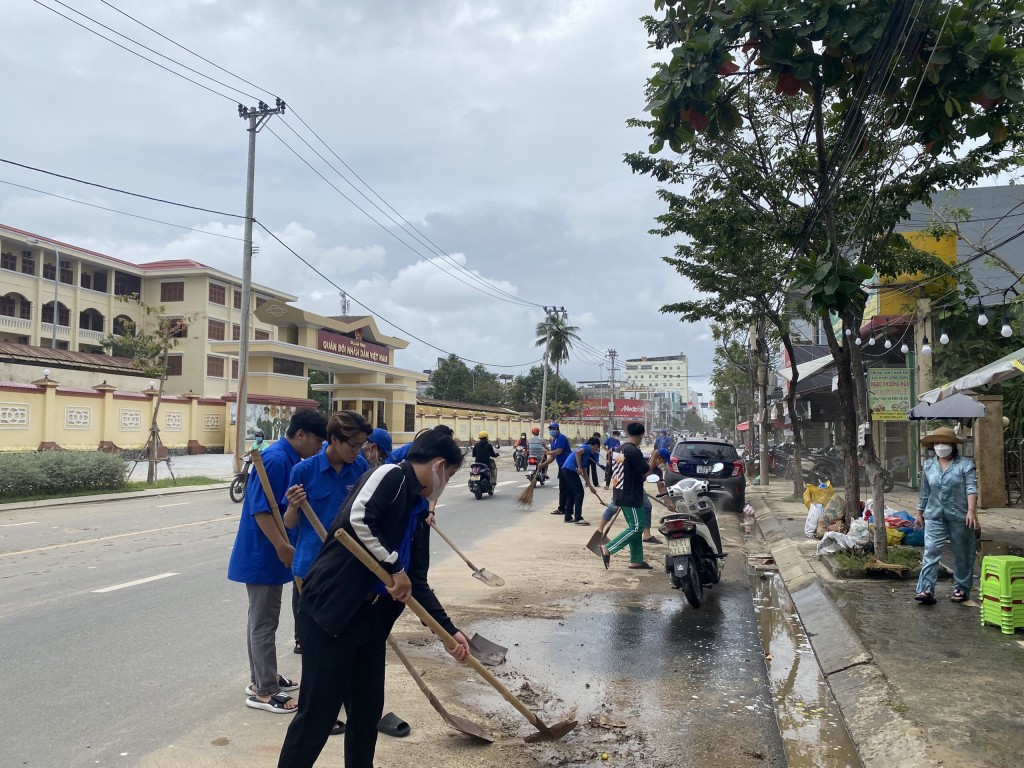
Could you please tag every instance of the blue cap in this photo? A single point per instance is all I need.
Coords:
(381, 439)
(553, 425)
(666, 454)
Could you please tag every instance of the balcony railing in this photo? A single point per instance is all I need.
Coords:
(85, 333)
(46, 331)
(15, 322)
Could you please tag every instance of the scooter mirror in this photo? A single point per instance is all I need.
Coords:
(718, 467)
(653, 479)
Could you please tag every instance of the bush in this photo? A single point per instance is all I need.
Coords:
(58, 473)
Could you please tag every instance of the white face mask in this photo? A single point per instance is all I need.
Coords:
(438, 480)
(943, 451)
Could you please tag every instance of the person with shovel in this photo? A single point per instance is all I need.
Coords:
(261, 558)
(346, 613)
(574, 473)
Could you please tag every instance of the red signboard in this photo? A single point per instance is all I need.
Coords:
(335, 343)
(632, 410)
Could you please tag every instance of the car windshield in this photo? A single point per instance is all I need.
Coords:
(706, 451)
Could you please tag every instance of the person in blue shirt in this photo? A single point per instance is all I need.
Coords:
(611, 445)
(377, 450)
(261, 558)
(947, 509)
(558, 452)
(398, 456)
(573, 474)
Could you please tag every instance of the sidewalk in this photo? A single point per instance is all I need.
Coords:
(917, 686)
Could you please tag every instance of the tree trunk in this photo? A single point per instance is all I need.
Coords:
(794, 416)
(872, 467)
(154, 429)
(848, 422)
(762, 389)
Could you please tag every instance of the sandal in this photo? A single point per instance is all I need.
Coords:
(283, 683)
(606, 557)
(338, 728)
(276, 704)
(925, 598)
(392, 725)
(958, 596)
(644, 566)
(652, 540)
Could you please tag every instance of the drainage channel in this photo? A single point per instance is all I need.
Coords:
(813, 732)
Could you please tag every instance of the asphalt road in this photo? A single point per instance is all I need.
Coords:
(118, 628)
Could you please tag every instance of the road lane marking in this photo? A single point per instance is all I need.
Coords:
(12, 525)
(133, 583)
(505, 482)
(176, 504)
(114, 536)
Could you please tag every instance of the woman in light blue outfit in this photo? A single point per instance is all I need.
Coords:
(947, 509)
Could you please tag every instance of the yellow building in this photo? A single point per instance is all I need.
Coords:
(57, 298)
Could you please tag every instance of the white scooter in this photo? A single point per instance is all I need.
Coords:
(694, 558)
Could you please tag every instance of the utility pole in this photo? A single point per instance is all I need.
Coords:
(257, 118)
(612, 354)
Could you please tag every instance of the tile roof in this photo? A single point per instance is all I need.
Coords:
(62, 358)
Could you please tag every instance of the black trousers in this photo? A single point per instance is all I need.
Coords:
(573, 483)
(593, 474)
(564, 494)
(607, 473)
(347, 669)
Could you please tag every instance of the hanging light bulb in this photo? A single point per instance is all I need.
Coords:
(847, 331)
(1006, 331)
(944, 338)
(857, 341)
(982, 317)
(871, 341)
(926, 348)
(888, 344)
(904, 349)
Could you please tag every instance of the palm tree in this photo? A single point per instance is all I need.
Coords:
(557, 336)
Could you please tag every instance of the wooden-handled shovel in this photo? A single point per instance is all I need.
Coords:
(454, 721)
(268, 491)
(482, 574)
(544, 732)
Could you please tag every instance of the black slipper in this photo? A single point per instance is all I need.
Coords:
(392, 725)
(606, 557)
(645, 566)
(338, 728)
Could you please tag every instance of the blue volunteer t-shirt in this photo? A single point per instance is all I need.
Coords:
(588, 456)
(561, 441)
(326, 491)
(398, 456)
(253, 558)
(612, 444)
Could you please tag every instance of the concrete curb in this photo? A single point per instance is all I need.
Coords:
(883, 736)
(101, 497)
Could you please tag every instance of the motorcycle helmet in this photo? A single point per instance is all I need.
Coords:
(536, 430)
(523, 435)
(258, 434)
(482, 435)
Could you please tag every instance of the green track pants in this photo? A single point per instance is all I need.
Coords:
(633, 535)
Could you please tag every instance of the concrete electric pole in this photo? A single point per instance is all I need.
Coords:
(612, 354)
(257, 118)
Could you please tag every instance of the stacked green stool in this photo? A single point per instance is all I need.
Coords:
(1002, 592)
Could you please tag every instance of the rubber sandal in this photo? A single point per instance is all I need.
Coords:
(606, 558)
(644, 566)
(276, 704)
(392, 725)
(925, 598)
(283, 684)
(581, 521)
(958, 596)
(297, 648)
(652, 540)
(338, 728)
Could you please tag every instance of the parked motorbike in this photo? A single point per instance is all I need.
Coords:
(480, 480)
(531, 469)
(519, 458)
(237, 488)
(694, 559)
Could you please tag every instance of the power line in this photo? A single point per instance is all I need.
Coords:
(115, 210)
(122, 191)
(377, 314)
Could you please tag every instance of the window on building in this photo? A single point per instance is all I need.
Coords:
(215, 330)
(236, 332)
(63, 314)
(62, 345)
(28, 264)
(177, 328)
(67, 275)
(218, 294)
(260, 301)
(215, 366)
(410, 418)
(238, 299)
(262, 335)
(174, 365)
(127, 285)
(172, 291)
(8, 261)
(26, 310)
(289, 367)
(49, 271)
(87, 280)
(234, 368)
(8, 306)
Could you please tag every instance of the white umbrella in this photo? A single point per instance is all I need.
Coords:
(958, 406)
(1002, 369)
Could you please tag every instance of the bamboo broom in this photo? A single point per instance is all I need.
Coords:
(525, 499)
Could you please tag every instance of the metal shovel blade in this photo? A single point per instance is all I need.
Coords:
(597, 540)
(453, 721)
(488, 578)
(550, 732)
(487, 652)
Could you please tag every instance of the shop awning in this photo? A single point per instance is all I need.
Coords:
(993, 373)
(958, 406)
(809, 368)
(743, 426)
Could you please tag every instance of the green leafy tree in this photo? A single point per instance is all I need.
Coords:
(323, 399)
(147, 344)
(557, 336)
(451, 381)
(525, 392)
(899, 100)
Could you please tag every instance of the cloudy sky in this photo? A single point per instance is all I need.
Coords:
(497, 129)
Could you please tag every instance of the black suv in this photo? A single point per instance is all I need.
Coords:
(696, 457)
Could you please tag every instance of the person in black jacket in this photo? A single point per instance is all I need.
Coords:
(484, 453)
(346, 613)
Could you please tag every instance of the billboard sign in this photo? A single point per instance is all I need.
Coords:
(627, 410)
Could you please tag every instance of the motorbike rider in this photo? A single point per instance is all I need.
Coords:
(259, 444)
(520, 451)
(535, 447)
(484, 453)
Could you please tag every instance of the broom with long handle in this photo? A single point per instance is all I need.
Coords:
(525, 499)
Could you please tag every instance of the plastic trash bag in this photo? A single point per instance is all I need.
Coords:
(815, 495)
(859, 531)
(835, 542)
(813, 516)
